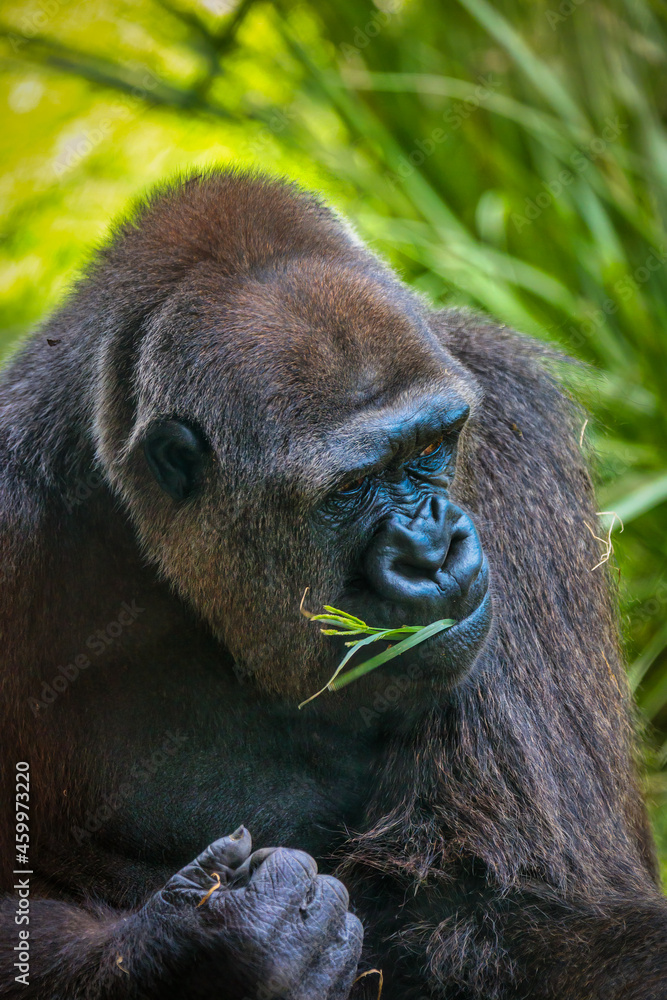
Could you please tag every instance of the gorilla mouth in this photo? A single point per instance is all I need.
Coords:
(445, 658)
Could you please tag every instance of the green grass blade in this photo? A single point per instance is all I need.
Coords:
(344, 661)
(536, 70)
(647, 657)
(641, 500)
(344, 614)
(336, 683)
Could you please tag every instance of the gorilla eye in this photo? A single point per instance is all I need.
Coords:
(431, 449)
(352, 486)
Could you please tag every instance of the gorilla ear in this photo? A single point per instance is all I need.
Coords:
(175, 454)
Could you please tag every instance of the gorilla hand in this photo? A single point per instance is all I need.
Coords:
(266, 921)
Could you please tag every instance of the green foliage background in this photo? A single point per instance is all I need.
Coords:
(510, 156)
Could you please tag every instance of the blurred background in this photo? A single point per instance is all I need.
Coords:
(509, 156)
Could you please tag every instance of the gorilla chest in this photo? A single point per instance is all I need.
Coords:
(291, 779)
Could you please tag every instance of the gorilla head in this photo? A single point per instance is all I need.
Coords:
(294, 422)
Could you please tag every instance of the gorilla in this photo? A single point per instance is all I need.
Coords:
(240, 401)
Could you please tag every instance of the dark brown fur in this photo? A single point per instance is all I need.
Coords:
(502, 848)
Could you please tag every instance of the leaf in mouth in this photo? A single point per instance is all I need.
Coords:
(348, 625)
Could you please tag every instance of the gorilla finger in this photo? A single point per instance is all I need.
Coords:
(209, 870)
(328, 902)
(227, 852)
(241, 875)
(334, 974)
(285, 872)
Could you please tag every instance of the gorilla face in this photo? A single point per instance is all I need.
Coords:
(327, 461)
(421, 559)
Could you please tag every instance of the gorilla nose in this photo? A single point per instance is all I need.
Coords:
(429, 563)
